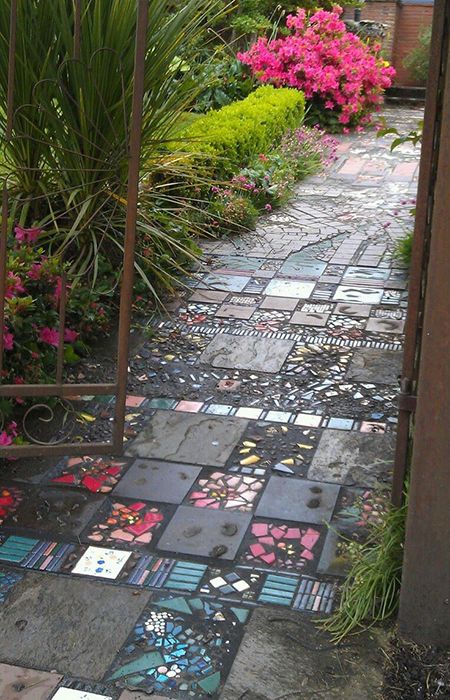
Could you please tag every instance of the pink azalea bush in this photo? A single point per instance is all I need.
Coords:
(31, 328)
(342, 77)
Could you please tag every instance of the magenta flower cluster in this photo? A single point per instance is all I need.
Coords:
(329, 64)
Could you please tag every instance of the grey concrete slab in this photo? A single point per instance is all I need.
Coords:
(298, 499)
(153, 480)
(242, 352)
(377, 366)
(189, 437)
(385, 325)
(72, 625)
(284, 655)
(347, 457)
(199, 530)
(17, 683)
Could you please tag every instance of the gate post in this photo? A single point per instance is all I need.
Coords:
(424, 613)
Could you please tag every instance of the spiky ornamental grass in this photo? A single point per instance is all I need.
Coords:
(370, 593)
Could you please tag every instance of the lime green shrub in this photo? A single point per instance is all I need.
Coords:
(227, 139)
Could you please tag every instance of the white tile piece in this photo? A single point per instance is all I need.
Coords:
(241, 586)
(253, 413)
(308, 420)
(278, 416)
(218, 581)
(289, 288)
(100, 562)
(70, 694)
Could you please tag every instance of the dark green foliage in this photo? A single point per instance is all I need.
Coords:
(417, 61)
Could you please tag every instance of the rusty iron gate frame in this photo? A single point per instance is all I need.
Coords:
(59, 388)
(421, 245)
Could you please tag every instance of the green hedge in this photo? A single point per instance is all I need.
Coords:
(227, 139)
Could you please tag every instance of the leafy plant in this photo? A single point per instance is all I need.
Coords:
(341, 76)
(231, 211)
(370, 593)
(224, 80)
(403, 250)
(417, 60)
(74, 114)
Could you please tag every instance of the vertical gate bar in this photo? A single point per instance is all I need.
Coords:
(5, 197)
(61, 328)
(77, 30)
(424, 614)
(419, 253)
(131, 219)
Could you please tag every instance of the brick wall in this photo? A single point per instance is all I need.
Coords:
(384, 11)
(411, 19)
(404, 22)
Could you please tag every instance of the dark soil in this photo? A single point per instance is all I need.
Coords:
(415, 672)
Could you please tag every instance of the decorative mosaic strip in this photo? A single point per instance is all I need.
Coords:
(155, 572)
(278, 589)
(309, 420)
(315, 596)
(280, 335)
(35, 554)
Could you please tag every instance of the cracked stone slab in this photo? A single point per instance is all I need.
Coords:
(243, 352)
(67, 624)
(198, 531)
(17, 683)
(152, 480)
(379, 366)
(332, 673)
(362, 459)
(298, 499)
(187, 437)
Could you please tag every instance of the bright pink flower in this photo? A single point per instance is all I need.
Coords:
(49, 336)
(70, 336)
(14, 285)
(5, 439)
(8, 339)
(27, 235)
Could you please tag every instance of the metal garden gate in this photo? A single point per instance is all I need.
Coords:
(59, 388)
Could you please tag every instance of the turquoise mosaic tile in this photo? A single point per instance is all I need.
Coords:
(278, 589)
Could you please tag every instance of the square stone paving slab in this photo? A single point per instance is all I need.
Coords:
(235, 311)
(188, 437)
(362, 459)
(224, 283)
(242, 352)
(72, 625)
(378, 366)
(198, 530)
(385, 325)
(298, 499)
(363, 295)
(152, 480)
(358, 310)
(57, 511)
(309, 319)
(279, 303)
(17, 683)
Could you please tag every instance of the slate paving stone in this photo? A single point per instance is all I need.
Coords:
(18, 683)
(241, 352)
(290, 288)
(154, 480)
(352, 458)
(361, 310)
(208, 296)
(190, 438)
(365, 295)
(73, 625)
(59, 511)
(198, 531)
(309, 319)
(385, 325)
(378, 366)
(225, 283)
(235, 311)
(279, 303)
(298, 499)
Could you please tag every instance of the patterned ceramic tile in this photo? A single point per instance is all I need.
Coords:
(315, 596)
(181, 644)
(131, 522)
(101, 563)
(95, 474)
(227, 491)
(278, 589)
(156, 572)
(239, 584)
(275, 544)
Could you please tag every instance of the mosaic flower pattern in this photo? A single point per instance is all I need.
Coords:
(94, 474)
(10, 499)
(220, 490)
(172, 649)
(8, 579)
(135, 523)
(282, 546)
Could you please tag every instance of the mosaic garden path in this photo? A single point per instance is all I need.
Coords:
(260, 430)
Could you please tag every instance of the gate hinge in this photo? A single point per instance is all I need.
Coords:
(406, 399)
